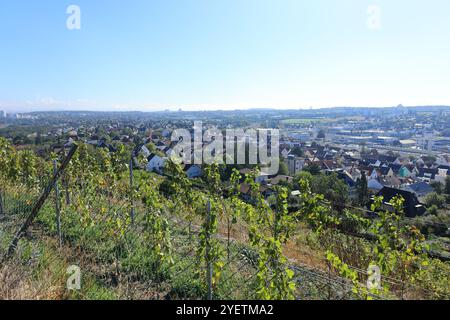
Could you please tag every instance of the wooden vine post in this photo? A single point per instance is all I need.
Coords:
(41, 201)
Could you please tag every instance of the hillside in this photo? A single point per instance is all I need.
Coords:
(169, 237)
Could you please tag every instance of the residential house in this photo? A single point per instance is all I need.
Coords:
(404, 172)
(262, 178)
(308, 154)
(402, 161)
(146, 152)
(444, 167)
(285, 152)
(427, 174)
(160, 145)
(166, 133)
(373, 182)
(155, 163)
(385, 171)
(325, 154)
(193, 171)
(372, 162)
(345, 176)
(412, 207)
(295, 164)
(387, 158)
(168, 151)
(355, 173)
(420, 189)
(245, 171)
(443, 171)
(102, 144)
(391, 181)
(443, 159)
(281, 178)
(246, 192)
(395, 167)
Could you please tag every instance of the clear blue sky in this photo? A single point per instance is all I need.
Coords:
(211, 54)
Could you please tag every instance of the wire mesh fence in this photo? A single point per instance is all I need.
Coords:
(120, 255)
(104, 229)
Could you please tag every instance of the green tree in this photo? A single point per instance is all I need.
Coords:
(284, 170)
(302, 175)
(433, 210)
(297, 151)
(333, 188)
(321, 134)
(314, 169)
(429, 160)
(447, 185)
(363, 191)
(437, 186)
(434, 198)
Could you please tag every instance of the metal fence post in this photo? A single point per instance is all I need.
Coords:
(329, 280)
(209, 271)
(131, 190)
(57, 205)
(275, 222)
(65, 182)
(2, 211)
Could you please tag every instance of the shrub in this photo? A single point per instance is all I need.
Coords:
(433, 210)
(434, 199)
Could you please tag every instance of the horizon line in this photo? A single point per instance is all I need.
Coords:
(223, 109)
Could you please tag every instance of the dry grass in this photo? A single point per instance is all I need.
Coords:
(38, 276)
(300, 252)
(18, 283)
(297, 249)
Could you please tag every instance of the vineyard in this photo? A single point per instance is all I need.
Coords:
(139, 235)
